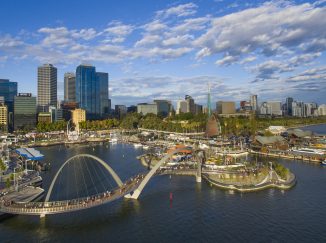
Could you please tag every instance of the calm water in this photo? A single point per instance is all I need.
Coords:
(198, 213)
(319, 129)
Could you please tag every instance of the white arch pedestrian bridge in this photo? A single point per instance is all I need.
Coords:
(132, 188)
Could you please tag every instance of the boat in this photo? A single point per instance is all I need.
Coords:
(306, 151)
(113, 140)
(323, 162)
(145, 147)
(137, 145)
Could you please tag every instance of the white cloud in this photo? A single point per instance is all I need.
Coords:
(181, 10)
(269, 29)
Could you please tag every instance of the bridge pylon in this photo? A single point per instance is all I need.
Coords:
(150, 174)
(200, 158)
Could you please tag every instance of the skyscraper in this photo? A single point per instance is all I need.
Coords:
(103, 79)
(254, 103)
(8, 90)
(288, 104)
(46, 86)
(181, 107)
(70, 87)
(91, 91)
(190, 104)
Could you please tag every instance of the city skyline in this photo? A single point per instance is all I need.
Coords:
(167, 50)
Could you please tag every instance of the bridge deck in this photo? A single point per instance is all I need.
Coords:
(55, 207)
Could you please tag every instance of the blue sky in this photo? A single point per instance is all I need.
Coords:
(166, 49)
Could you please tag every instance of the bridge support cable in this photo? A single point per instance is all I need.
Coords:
(100, 178)
(100, 161)
(82, 172)
(90, 175)
(76, 184)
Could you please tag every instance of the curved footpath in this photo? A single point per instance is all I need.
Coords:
(279, 185)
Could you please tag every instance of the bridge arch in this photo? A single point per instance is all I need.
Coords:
(102, 162)
(150, 174)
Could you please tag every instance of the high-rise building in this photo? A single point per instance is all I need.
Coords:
(225, 107)
(121, 111)
(92, 91)
(182, 106)
(254, 102)
(322, 110)
(8, 90)
(198, 109)
(24, 111)
(103, 79)
(164, 107)
(46, 87)
(272, 108)
(70, 87)
(77, 116)
(190, 104)
(3, 117)
(288, 106)
(298, 109)
(145, 108)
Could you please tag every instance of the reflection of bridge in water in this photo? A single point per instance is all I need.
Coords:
(132, 188)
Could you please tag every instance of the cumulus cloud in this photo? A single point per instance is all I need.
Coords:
(268, 29)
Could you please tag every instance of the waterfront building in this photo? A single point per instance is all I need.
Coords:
(254, 103)
(271, 108)
(121, 111)
(3, 117)
(182, 106)
(298, 109)
(8, 90)
(322, 110)
(225, 107)
(164, 107)
(288, 106)
(44, 117)
(310, 109)
(198, 109)
(70, 87)
(92, 91)
(190, 104)
(24, 111)
(268, 144)
(77, 116)
(145, 108)
(46, 87)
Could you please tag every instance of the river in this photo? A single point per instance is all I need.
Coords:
(197, 213)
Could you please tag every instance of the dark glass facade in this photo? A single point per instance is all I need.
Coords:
(8, 90)
(91, 91)
(24, 112)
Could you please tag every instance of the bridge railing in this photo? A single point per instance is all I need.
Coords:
(76, 203)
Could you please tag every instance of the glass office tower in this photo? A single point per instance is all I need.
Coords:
(91, 91)
(8, 90)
